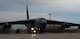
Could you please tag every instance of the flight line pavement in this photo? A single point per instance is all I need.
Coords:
(41, 36)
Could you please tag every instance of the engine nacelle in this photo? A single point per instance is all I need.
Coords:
(78, 27)
(7, 25)
(5, 28)
(65, 25)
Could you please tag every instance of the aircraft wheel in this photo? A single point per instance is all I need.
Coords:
(41, 32)
(28, 31)
(78, 27)
(17, 31)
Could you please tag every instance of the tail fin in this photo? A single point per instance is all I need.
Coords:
(27, 12)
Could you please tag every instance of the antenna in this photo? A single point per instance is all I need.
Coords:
(27, 12)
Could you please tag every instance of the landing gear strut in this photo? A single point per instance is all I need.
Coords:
(41, 32)
(78, 27)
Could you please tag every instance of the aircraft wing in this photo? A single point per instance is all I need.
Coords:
(48, 22)
(19, 22)
(61, 23)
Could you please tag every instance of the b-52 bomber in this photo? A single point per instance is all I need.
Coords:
(37, 25)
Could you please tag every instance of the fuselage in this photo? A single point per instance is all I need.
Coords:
(38, 25)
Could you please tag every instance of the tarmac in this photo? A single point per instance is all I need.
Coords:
(41, 36)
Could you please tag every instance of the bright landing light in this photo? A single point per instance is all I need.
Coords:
(34, 31)
(32, 28)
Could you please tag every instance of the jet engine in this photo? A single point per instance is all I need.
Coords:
(65, 25)
(78, 26)
(6, 26)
